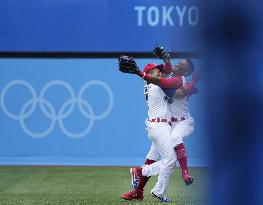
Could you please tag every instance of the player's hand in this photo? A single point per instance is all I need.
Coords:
(161, 53)
(179, 93)
(127, 64)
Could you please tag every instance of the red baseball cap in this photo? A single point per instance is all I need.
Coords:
(151, 66)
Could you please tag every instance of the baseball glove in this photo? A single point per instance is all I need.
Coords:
(161, 53)
(128, 65)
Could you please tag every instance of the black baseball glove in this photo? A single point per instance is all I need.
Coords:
(128, 65)
(161, 53)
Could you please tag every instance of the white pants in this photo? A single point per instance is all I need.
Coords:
(160, 134)
(182, 129)
(179, 131)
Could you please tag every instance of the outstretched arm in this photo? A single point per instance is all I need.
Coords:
(174, 82)
(161, 53)
(188, 89)
(167, 69)
(182, 92)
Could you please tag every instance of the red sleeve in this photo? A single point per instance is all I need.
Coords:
(167, 68)
(174, 82)
(143, 75)
(188, 89)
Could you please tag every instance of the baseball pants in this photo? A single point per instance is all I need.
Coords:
(160, 135)
(180, 130)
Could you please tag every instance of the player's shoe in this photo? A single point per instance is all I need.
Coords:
(188, 179)
(162, 199)
(133, 195)
(136, 174)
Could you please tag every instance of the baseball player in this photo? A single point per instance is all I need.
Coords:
(182, 126)
(183, 123)
(180, 130)
(159, 128)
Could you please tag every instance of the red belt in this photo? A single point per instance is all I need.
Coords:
(179, 119)
(161, 120)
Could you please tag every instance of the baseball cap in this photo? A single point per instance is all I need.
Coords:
(151, 66)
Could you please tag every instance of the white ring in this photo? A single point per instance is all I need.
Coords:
(29, 132)
(83, 133)
(49, 111)
(47, 86)
(107, 88)
(5, 89)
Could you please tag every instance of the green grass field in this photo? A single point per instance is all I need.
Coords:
(89, 185)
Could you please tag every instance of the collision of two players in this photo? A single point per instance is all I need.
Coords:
(168, 122)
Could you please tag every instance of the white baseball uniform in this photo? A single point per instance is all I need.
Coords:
(160, 134)
(180, 129)
(184, 126)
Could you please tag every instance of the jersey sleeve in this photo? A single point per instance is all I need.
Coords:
(174, 82)
(190, 88)
(167, 69)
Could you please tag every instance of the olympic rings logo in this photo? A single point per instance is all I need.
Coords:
(49, 111)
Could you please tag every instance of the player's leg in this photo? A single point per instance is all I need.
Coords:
(137, 192)
(179, 132)
(160, 135)
(138, 180)
(152, 156)
(161, 139)
(166, 167)
(151, 170)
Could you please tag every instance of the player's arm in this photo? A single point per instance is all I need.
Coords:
(168, 68)
(188, 89)
(183, 92)
(161, 53)
(174, 82)
(128, 65)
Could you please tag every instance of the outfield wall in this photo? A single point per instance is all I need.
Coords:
(83, 111)
(79, 112)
